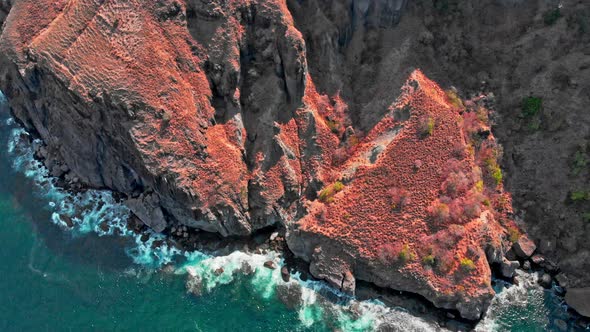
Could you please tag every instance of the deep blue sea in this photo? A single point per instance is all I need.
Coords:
(55, 278)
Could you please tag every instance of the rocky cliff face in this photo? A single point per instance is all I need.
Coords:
(231, 116)
(522, 51)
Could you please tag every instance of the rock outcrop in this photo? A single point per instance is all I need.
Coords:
(517, 49)
(231, 116)
(129, 100)
(579, 299)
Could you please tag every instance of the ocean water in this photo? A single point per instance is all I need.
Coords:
(55, 278)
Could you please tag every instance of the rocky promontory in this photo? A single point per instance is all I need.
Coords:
(235, 116)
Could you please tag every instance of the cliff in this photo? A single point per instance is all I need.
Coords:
(232, 116)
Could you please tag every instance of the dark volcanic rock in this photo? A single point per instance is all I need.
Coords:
(508, 268)
(579, 299)
(270, 265)
(538, 259)
(546, 280)
(285, 274)
(290, 294)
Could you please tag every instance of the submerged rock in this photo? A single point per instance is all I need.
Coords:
(290, 294)
(194, 285)
(246, 268)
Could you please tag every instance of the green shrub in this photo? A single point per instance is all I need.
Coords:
(551, 16)
(454, 99)
(426, 126)
(578, 196)
(467, 264)
(327, 194)
(405, 254)
(534, 124)
(513, 234)
(494, 170)
(580, 162)
(531, 106)
(497, 174)
(429, 260)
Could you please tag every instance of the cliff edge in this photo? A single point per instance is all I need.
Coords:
(207, 114)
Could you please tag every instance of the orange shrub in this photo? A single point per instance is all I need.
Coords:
(439, 212)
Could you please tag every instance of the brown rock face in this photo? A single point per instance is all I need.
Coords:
(230, 116)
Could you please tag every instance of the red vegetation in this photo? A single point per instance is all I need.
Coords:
(389, 253)
(439, 212)
(456, 184)
(399, 198)
(375, 214)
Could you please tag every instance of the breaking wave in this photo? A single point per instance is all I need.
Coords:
(315, 302)
(93, 210)
(309, 298)
(84, 212)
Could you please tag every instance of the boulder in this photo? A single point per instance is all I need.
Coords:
(538, 259)
(270, 265)
(147, 208)
(524, 247)
(508, 268)
(145, 237)
(546, 280)
(579, 300)
(562, 280)
(549, 266)
(526, 266)
(104, 226)
(510, 255)
(273, 236)
(66, 219)
(285, 274)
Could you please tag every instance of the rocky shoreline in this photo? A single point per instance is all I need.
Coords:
(245, 136)
(272, 239)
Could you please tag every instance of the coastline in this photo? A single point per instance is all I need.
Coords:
(259, 244)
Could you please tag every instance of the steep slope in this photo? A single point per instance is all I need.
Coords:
(125, 97)
(517, 50)
(206, 114)
(412, 211)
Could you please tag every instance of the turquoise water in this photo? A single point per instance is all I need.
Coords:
(85, 279)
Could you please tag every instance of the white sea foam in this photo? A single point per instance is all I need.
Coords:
(514, 303)
(88, 210)
(313, 307)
